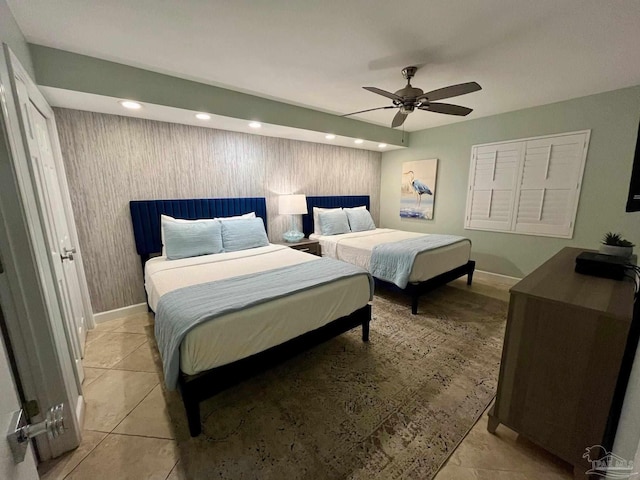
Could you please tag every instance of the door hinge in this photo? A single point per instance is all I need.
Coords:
(1, 266)
(31, 408)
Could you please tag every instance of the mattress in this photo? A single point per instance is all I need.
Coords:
(244, 333)
(356, 248)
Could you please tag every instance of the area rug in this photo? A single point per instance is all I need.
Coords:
(394, 408)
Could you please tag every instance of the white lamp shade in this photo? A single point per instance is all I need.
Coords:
(292, 204)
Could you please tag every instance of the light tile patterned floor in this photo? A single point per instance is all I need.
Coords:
(128, 433)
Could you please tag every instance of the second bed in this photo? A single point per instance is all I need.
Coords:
(430, 269)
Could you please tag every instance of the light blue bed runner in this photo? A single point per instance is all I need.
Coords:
(393, 261)
(182, 310)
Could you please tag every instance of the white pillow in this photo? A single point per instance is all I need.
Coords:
(316, 218)
(237, 217)
(363, 207)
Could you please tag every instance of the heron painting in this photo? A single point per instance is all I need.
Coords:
(418, 189)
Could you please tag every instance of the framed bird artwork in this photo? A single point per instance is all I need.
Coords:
(418, 189)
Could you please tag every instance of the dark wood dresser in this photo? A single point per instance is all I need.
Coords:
(563, 351)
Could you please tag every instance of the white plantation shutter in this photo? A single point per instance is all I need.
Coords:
(529, 186)
(549, 186)
(493, 186)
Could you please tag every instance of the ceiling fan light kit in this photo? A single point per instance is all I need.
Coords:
(409, 98)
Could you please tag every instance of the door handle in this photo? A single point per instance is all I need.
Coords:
(20, 432)
(67, 253)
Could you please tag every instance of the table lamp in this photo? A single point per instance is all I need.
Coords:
(292, 205)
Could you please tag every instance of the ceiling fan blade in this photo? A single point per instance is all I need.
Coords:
(447, 108)
(370, 110)
(450, 91)
(398, 119)
(384, 93)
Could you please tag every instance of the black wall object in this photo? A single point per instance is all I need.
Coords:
(633, 203)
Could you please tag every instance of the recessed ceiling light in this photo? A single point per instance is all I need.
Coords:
(255, 125)
(131, 105)
(358, 141)
(203, 116)
(382, 145)
(329, 136)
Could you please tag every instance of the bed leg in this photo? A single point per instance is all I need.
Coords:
(414, 303)
(365, 330)
(193, 416)
(472, 266)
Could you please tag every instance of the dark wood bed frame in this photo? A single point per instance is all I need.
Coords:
(145, 216)
(414, 290)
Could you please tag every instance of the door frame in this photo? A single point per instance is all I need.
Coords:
(11, 388)
(35, 327)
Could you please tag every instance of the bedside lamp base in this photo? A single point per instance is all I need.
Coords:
(293, 236)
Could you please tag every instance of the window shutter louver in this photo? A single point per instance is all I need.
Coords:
(530, 186)
(493, 183)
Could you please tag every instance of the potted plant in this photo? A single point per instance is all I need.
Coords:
(614, 244)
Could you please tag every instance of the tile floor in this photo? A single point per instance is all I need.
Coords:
(128, 434)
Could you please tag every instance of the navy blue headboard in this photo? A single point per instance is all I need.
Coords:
(345, 201)
(145, 215)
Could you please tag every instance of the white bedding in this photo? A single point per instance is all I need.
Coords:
(241, 334)
(356, 248)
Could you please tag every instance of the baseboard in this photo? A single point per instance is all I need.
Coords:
(496, 278)
(119, 312)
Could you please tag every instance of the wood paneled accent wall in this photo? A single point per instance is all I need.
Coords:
(110, 160)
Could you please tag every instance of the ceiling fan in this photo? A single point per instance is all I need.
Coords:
(409, 98)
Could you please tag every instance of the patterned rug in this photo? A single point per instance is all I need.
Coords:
(394, 408)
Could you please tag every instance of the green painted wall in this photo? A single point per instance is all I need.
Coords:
(613, 120)
(11, 34)
(71, 71)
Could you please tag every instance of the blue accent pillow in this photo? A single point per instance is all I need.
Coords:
(334, 222)
(191, 239)
(360, 219)
(243, 234)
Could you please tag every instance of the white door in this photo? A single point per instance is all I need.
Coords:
(55, 223)
(39, 326)
(62, 248)
(9, 404)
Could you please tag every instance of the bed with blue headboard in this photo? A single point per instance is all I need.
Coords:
(145, 216)
(456, 265)
(197, 385)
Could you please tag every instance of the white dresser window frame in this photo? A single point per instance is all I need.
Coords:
(498, 181)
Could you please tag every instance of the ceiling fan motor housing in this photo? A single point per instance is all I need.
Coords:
(409, 72)
(409, 92)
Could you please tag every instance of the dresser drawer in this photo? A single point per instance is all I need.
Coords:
(309, 247)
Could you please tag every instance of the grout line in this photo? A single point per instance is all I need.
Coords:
(143, 436)
(130, 411)
(127, 356)
(85, 385)
(480, 415)
(172, 469)
(88, 453)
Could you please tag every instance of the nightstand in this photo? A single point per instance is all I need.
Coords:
(305, 245)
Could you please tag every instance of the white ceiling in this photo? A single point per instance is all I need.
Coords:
(320, 53)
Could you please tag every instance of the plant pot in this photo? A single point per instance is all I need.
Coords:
(616, 250)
